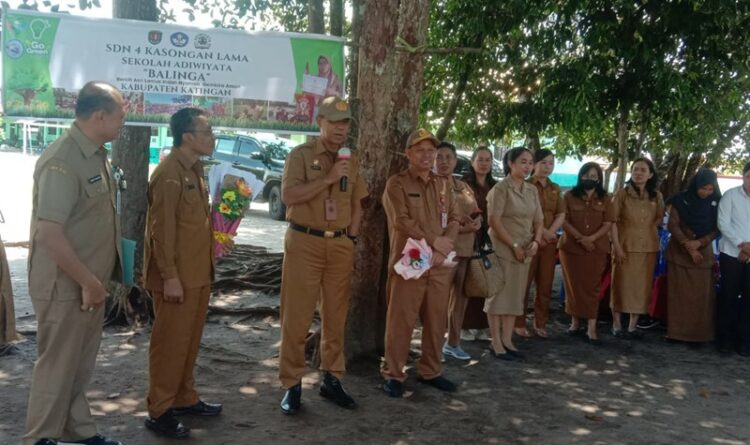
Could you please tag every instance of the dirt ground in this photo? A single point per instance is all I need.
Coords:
(566, 392)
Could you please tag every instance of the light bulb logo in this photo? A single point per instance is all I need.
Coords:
(37, 27)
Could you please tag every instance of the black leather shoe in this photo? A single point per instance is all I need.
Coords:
(98, 440)
(592, 341)
(501, 355)
(393, 388)
(332, 390)
(45, 442)
(517, 355)
(199, 409)
(167, 425)
(440, 383)
(292, 400)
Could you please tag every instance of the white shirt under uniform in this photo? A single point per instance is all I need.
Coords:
(734, 221)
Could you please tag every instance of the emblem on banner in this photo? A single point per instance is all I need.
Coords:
(179, 39)
(14, 49)
(202, 41)
(154, 37)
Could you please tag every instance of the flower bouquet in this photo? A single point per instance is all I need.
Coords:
(416, 259)
(227, 211)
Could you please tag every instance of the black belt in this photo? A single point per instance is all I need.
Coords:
(320, 233)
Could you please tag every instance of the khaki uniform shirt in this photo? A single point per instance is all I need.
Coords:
(73, 186)
(179, 236)
(414, 209)
(550, 198)
(466, 205)
(308, 162)
(638, 218)
(518, 209)
(586, 215)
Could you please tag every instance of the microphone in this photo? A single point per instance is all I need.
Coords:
(344, 153)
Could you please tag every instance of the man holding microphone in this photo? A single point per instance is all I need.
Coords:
(322, 190)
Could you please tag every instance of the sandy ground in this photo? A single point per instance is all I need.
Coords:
(565, 392)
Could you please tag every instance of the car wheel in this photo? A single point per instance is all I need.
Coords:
(276, 208)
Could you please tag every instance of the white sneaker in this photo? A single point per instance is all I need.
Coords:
(455, 352)
(483, 335)
(468, 335)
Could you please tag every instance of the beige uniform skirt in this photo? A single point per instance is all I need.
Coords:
(632, 282)
(510, 300)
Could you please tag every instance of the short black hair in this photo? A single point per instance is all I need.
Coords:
(747, 168)
(542, 153)
(449, 146)
(578, 191)
(95, 96)
(183, 121)
(512, 155)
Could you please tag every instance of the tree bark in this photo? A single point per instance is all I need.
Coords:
(622, 146)
(337, 17)
(353, 74)
(315, 15)
(389, 89)
(467, 69)
(131, 150)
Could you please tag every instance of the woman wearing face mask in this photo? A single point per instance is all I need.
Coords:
(690, 285)
(542, 271)
(584, 248)
(479, 178)
(445, 163)
(516, 224)
(638, 211)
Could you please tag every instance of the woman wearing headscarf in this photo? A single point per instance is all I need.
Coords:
(690, 258)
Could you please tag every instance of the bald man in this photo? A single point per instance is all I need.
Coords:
(75, 252)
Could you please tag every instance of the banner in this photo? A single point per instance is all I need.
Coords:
(266, 81)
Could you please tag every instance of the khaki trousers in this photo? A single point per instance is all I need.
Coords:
(7, 313)
(175, 341)
(457, 303)
(315, 270)
(68, 342)
(425, 299)
(542, 272)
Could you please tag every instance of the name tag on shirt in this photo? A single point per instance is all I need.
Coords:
(95, 179)
(444, 219)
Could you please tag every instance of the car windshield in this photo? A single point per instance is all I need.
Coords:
(277, 149)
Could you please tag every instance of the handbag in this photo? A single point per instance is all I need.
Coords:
(484, 276)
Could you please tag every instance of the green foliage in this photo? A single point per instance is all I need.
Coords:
(568, 69)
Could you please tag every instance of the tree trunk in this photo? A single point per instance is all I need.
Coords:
(389, 89)
(467, 70)
(622, 146)
(532, 141)
(353, 74)
(337, 17)
(315, 15)
(131, 150)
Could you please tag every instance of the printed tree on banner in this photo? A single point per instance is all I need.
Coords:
(27, 82)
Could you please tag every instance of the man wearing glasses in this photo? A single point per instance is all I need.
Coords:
(178, 272)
